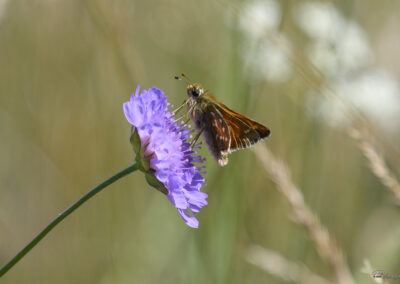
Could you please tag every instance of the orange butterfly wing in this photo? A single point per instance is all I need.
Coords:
(243, 131)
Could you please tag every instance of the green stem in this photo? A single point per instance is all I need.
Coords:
(63, 215)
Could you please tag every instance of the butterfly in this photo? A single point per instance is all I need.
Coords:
(223, 129)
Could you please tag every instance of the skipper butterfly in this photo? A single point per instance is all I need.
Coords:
(223, 129)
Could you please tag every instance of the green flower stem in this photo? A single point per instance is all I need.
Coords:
(63, 215)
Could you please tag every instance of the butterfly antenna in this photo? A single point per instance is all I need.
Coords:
(180, 79)
(188, 80)
(186, 77)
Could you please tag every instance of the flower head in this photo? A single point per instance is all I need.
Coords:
(170, 156)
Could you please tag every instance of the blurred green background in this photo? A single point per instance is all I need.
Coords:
(66, 67)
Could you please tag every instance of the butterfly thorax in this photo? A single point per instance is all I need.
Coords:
(196, 108)
(198, 101)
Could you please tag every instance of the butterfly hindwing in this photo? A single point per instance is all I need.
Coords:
(216, 134)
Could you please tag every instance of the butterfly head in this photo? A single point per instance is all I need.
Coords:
(195, 90)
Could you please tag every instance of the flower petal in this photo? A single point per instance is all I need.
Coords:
(189, 220)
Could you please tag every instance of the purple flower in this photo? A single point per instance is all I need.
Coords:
(165, 144)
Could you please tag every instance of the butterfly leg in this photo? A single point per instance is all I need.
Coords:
(179, 118)
(183, 115)
(196, 138)
(180, 107)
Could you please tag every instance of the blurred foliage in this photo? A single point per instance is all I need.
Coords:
(67, 67)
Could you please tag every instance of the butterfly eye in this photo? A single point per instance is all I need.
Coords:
(195, 92)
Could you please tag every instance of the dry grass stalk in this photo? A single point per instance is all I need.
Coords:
(319, 82)
(277, 265)
(377, 163)
(326, 246)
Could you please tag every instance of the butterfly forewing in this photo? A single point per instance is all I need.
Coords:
(244, 131)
